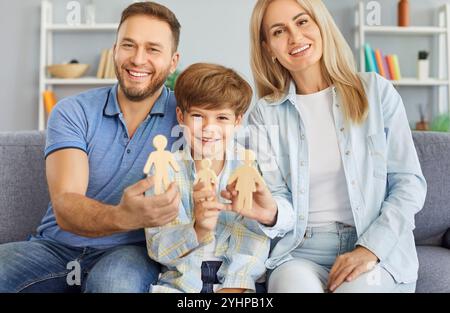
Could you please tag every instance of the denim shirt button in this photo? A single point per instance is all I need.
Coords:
(347, 152)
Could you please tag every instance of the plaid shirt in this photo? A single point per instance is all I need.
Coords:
(240, 244)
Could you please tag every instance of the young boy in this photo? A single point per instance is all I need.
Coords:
(208, 248)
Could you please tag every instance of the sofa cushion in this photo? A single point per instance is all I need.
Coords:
(434, 269)
(23, 188)
(433, 150)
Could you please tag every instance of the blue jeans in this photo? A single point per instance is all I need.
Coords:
(46, 266)
(209, 277)
(313, 259)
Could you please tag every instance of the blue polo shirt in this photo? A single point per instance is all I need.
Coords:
(92, 122)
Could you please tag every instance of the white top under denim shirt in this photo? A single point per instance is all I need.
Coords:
(385, 183)
(328, 194)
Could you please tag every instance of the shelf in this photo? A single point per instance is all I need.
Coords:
(411, 30)
(82, 27)
(80, 81)
(417, 82)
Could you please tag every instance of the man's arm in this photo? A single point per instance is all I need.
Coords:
(68, 178)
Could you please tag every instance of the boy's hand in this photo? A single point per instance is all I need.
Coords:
(264, 209)
(206, 211)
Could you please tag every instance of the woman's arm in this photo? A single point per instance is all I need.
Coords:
(260, 143)
(405, 196)
(406, 183)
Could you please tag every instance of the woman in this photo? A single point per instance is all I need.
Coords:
(347, 179)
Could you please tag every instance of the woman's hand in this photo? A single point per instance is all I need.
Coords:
(206, 211)
(350, 265)
(264, 209)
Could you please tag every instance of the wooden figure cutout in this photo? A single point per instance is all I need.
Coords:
(206, 175)
(161, 160)
(246, 178)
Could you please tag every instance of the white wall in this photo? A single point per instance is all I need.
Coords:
(212, 31)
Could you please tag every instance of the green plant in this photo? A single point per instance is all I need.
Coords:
(170, 82)
(441, 123)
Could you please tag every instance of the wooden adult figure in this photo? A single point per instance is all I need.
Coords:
(246, 177)
(161, 160)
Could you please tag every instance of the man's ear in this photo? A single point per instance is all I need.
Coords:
(174, 62)
(114, 47)
(180, 116)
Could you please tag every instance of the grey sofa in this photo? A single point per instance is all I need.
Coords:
(24, 199)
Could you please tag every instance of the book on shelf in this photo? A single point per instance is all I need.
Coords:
(380, 65)
(106, 65)
(398, 74)
(387, 66)
(102, 64)
(49, 101)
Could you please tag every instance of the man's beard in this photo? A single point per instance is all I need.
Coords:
(138, 94)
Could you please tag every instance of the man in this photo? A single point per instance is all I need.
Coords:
(97, 146)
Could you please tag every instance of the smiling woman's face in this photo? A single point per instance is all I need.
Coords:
(292, 36)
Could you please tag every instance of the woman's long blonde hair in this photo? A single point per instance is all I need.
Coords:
(337, 63)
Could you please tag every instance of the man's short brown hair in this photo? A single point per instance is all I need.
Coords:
(157, 11)
(212, 87)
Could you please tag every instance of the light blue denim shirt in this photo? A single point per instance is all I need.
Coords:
(384, 179)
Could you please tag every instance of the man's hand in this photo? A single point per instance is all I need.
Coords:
(136, 211)
(206, 211)
(350, 265)
(264, 209)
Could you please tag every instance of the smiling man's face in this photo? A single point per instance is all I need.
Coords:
(143, 56)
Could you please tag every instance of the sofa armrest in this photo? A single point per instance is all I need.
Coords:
(23, 188)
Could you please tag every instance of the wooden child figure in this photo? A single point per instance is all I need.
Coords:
(206, 175)
(246, 178)
(161, 160)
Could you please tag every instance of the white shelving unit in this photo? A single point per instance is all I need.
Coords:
(48, 28)
(442, 31)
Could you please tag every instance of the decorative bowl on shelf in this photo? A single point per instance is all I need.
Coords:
(71, 70)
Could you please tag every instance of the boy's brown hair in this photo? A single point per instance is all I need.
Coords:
(212, 87)
(157, 11)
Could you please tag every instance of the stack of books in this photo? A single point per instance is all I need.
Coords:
(106, 65)
(387, 66)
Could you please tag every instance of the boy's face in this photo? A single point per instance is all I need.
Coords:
(208, 131)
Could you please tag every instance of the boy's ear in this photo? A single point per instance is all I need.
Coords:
(180, 116)
(238, 120)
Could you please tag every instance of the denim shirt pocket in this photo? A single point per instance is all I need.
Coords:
(377, 150)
